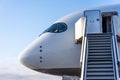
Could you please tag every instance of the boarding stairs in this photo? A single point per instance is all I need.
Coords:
(99, 61)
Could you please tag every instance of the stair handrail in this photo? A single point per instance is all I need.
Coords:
(117, 50)
(116, 55)
(83, 46)
(115, 37)
(83, 57)
(82, 50)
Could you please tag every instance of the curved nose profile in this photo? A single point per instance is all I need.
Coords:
(24, 59)
(27, 59)
(29, 56)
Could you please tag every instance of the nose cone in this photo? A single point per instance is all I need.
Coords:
(24, 59)
(27, 60)
(29, 57)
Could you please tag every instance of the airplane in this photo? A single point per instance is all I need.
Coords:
(85, 44)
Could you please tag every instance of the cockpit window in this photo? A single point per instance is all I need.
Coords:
(57, 28)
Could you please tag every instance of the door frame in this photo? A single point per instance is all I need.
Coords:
(109, 14)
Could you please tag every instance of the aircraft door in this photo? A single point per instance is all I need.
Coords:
(93, 21)
(109, 22)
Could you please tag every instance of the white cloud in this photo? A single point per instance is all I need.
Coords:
(19, 72)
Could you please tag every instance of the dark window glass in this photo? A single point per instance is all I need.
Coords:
(62, 27)
(57, 28)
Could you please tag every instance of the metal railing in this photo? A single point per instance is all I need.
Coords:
(83, 57)
(83, 47)
(115, 56)
(117, 50)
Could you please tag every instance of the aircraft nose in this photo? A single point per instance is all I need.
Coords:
(26, 60)
(29, 57)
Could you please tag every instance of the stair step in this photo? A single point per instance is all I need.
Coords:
(91, 43)
(99, 51)
(100, 34)
(105, 44)
(100, 78)
(99, 45)
(99, 70)
(89, 35)
(99, 48)
(100, 73)
(98, 66)
(100, 57)
(99, 60)
(100, 63)
(99, 54)
(98, 38)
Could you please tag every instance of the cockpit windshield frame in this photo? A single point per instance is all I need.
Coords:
(57, 28)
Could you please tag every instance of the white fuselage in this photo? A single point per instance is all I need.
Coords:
(57, 53)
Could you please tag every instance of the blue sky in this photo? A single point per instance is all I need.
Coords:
(21, 21)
